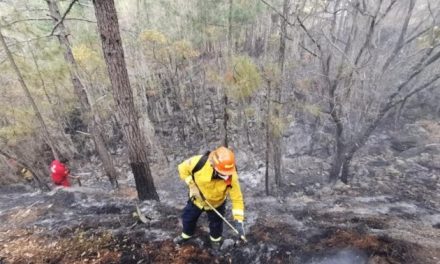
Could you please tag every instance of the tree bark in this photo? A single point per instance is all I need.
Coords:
(230, 47)
(268, 126)
(244, 121)
(225, 95)
(108, 28)
(81, 93)
(230, 44)
(346, 167)
(29, 97)
(338, 162)
(277, 144)
(225, 119)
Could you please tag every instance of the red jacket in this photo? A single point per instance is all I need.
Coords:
(59, 173)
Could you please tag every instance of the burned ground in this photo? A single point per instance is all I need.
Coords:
(339, 225)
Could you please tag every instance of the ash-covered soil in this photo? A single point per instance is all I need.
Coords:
(338, 225)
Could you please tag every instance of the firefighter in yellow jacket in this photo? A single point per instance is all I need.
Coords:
(211, 176)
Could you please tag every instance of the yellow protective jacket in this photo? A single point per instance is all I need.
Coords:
(215, 191)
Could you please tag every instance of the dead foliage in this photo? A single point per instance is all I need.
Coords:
(432, 127)
(371, 222)
(80, 247)
(24, 215)
(275, 232)
(98, 247)
(126, 192)
(391, 250)
(167, 252)
(344, 238)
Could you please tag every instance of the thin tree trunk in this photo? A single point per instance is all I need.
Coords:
(244, 120)
(268, 139)
(108, 29)
(346, 167)
(81, 93)
(29, 97)
(107, 160)
(230, 45)
(277, 144)
(225, 95)
(333, 100)
(315, 135)
(337, 165)
(283, 34)
(338, 160)
(225, 119)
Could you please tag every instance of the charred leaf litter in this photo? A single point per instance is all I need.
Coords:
(90, 225)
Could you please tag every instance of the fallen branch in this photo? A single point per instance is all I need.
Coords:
(141, 216)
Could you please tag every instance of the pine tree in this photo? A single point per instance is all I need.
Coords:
(108, 28)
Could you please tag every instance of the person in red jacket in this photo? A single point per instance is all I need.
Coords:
(60, 172)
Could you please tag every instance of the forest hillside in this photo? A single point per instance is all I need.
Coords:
(328, 110)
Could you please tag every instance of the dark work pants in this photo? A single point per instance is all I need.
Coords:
(191, 214)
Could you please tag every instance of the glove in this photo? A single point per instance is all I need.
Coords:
(194, 192)
(240, 227)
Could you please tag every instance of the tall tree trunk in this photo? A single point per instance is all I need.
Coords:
(244, 120)
(225, 95)
(340, 152)
(268, 126)
(81, 93)
(315, 135)
(230, 45)
(225, 119)
(114, 56)
(277, 144)
(46, 134)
